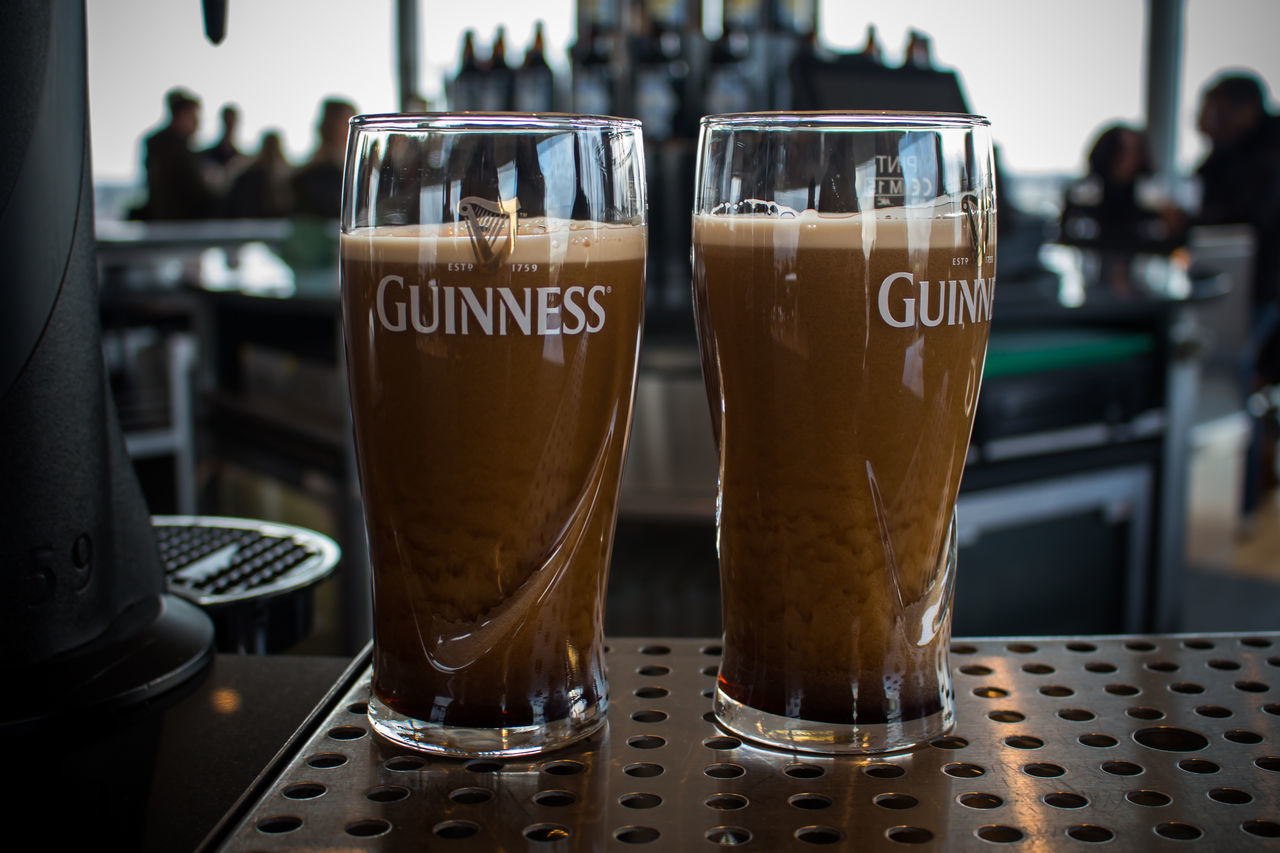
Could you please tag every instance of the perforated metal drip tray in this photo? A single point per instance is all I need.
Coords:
(1131, 743)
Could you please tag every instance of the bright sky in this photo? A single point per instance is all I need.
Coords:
(1048, 75)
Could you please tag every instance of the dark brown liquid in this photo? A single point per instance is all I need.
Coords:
(489, 464)
(842, 442)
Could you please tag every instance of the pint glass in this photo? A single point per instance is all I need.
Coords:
(844, 268)
(492, 291)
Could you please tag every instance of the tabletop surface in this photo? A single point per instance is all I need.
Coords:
(160, 776)
(1150, 743)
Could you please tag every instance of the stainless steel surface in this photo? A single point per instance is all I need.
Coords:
(1142, 743)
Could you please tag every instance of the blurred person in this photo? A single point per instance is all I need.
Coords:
(1240, 183)
(1106, 205)
(176, 185)
(1238, 176)
(263, 189)
(223, 159)
(317, 186)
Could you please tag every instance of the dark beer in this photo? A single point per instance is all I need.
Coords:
(844, 356)
(491, 398)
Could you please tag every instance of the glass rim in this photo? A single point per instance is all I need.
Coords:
(844, 120)
(513, 122)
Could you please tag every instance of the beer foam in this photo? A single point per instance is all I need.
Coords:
(893, 229)
(537, 240)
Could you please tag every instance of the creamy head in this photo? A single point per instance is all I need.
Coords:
(537, 240)
(811, 229)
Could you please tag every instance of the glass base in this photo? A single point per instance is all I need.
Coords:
(796, 735)
(464, 742)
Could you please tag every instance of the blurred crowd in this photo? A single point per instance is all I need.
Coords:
(1114, 205)
(224, 182)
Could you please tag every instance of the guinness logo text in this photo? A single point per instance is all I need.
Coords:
(905, 302)
(456, 310)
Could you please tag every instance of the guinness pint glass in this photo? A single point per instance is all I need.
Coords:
(492, 289)
(844, 269)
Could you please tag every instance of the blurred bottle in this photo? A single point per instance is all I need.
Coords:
(871, 49)
(535, 86)
(468, 83)
(594, 78)
(735, 78)
(793, 35)
(919, 52)
(662, 65)
(498, 89)
(793, 17)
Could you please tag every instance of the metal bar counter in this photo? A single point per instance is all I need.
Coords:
(1139, 743)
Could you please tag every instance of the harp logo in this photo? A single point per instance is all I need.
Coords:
(492, 228)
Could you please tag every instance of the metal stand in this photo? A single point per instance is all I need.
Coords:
(254, 578)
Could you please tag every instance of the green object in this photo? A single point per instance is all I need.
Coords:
(312, 245)
(1020, 353)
